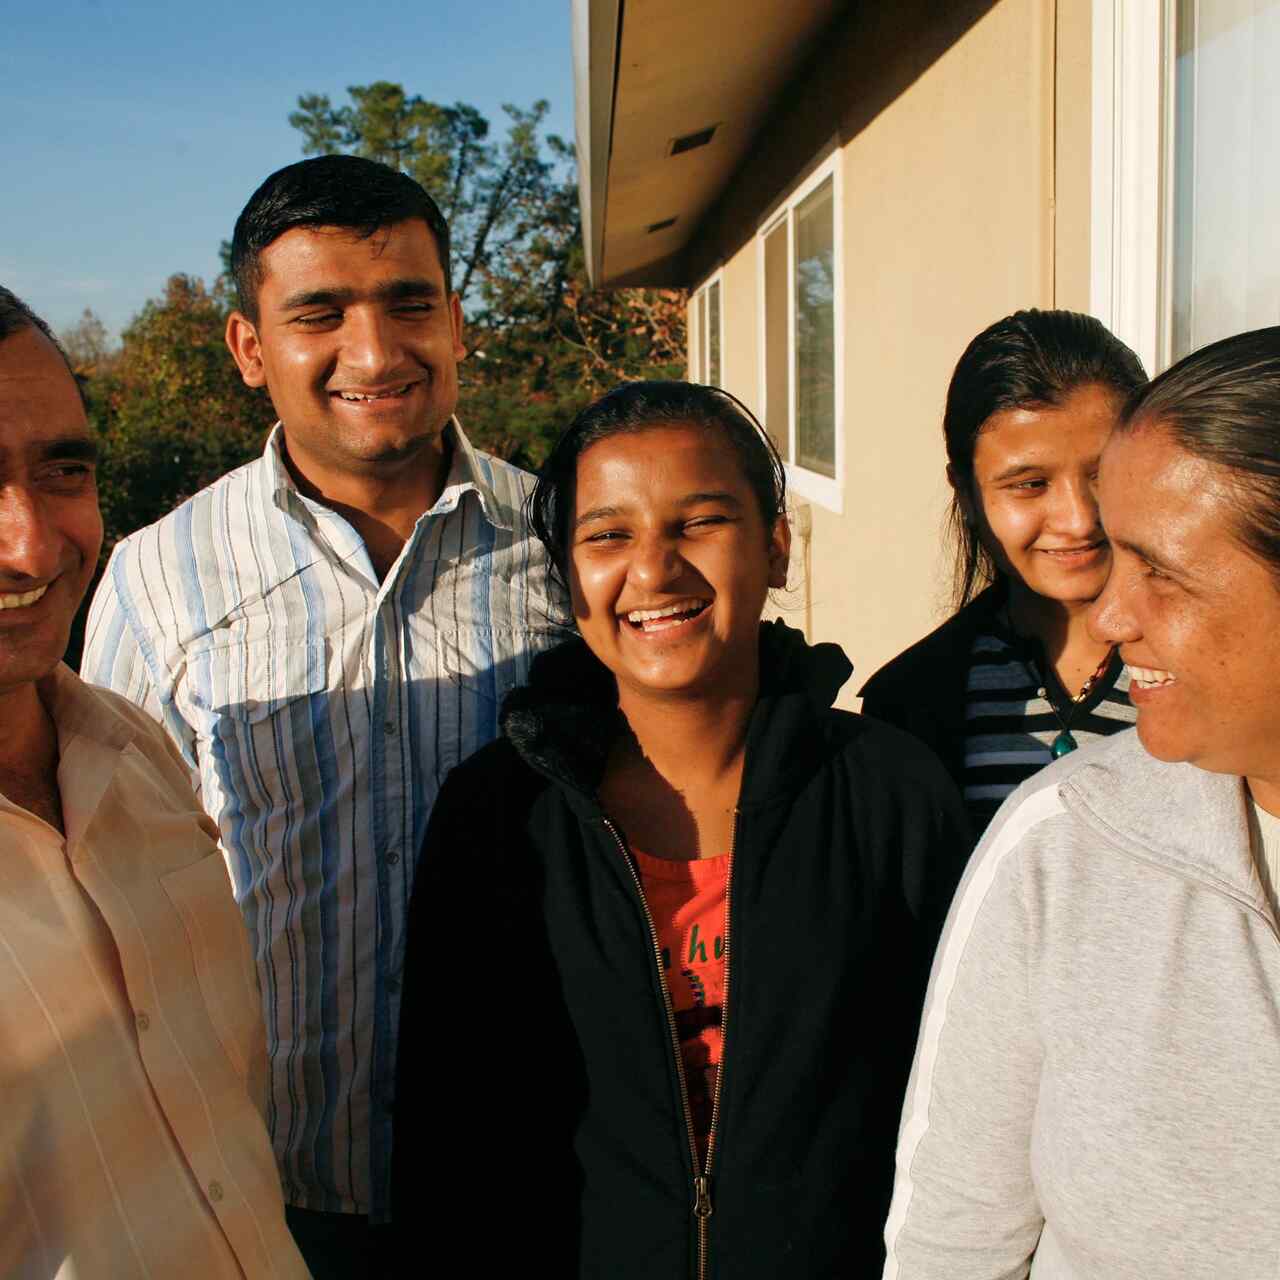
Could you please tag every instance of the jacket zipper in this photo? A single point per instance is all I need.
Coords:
(702, 1206)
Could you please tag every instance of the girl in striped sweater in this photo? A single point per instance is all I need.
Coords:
(1013, 679)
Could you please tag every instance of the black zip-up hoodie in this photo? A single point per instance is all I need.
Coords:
(539, 1123)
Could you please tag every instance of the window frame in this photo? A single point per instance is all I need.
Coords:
(699, 345)
(1131, 267)
(826, 491)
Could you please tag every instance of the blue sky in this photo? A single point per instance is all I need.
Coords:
(135, 131)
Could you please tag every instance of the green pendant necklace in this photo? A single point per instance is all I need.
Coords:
(1065, 742)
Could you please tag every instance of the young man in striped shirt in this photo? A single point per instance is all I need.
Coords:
(325, 632)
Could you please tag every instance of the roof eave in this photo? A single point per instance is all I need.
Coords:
(596, 25)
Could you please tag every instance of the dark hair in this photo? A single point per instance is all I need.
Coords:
(1222, 404)
(638, 406)
(327, 191)
(1031, 359)
(15, 316)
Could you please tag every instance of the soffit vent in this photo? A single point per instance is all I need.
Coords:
(661, 226)
(692, 141)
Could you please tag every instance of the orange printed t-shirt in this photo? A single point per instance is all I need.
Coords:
(687, 901)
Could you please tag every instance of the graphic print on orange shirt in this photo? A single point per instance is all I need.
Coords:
(687, 902)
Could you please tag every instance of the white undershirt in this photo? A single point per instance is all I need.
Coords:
(1264, 832)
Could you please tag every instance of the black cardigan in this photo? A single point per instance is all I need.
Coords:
(538, 1121)
(923, 689)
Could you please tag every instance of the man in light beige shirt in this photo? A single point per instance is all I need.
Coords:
(130, 1032)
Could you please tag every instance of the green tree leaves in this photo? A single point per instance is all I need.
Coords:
(169, 404)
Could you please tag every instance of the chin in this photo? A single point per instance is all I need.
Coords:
(668, 682)
(397, 449)
(1072, 593)
(1161, 746)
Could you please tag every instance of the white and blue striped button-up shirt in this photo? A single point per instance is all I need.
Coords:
(320, 710)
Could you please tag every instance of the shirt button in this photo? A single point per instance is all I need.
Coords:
(391, 727)
(142, 1020)
(215, 1191)
(392, 858)
(1040, 693)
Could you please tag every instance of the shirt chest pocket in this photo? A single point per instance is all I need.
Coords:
(252, 705)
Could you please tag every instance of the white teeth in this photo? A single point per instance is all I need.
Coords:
(651, 615)
(27, 597)
(381, 395)
(1150, 677)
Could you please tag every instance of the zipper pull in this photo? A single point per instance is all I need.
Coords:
(702, 1198)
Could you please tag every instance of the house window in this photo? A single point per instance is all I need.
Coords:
(800, 319)
(1226, 184)
(705, 334)
(1186, 195)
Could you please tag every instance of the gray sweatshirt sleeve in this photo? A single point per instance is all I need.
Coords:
(964, 1204)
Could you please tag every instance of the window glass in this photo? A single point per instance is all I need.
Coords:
(713, 334)
(777, 366)
(1226, 189)
(697, 373)
(815, 435)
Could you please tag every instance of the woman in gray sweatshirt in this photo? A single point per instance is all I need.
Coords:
(1096, 1088)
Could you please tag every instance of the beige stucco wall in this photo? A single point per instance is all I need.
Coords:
(957, 139)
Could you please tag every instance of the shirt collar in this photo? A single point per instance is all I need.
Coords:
(79, 710)
(467, 473)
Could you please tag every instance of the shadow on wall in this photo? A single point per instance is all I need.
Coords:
(882, 49)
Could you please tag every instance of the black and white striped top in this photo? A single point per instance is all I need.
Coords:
(1010, 721)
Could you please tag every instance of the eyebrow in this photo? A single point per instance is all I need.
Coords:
(388, 291)
(1023, 468)
(66, 449)
(1018, 469)
(1144, 552)
(689, 500)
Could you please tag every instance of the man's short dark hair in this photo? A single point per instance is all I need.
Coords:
(327, 191)
(15, 316)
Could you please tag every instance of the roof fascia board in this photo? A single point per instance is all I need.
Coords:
(596, 27)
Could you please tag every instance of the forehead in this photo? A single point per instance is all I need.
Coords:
(39, 401)
(316, 257)
(659, 462)
(1075, 429)
(1151, 492)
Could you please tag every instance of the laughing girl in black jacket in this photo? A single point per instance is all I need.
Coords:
(670, 934)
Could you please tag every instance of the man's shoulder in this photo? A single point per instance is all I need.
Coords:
(104, 714)
(509, 485)
(226, 492)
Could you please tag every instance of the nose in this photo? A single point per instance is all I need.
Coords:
(371, 345)
(655, 561)
(1111, 618)
(1075, 508)
(30, 545)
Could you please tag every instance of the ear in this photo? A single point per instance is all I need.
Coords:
(246, 350)
(455, 323)
(779, 552)
(964, 496)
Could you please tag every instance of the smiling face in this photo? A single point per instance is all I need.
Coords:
(50, 528)
(1032, 498)
(357, 342)
(670, 562)
(1195, 614)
